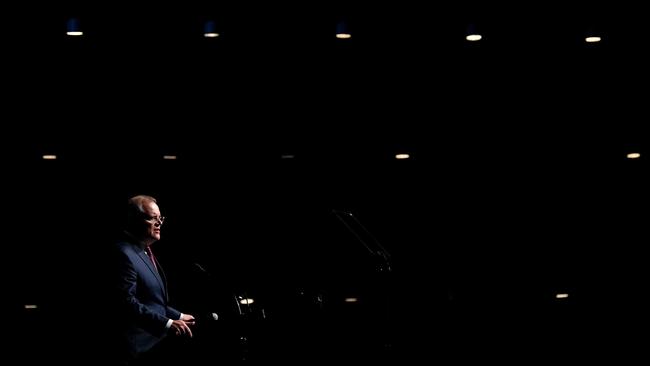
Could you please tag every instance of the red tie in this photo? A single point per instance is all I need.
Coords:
(153, 259)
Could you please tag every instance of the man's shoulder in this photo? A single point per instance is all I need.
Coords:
(124, 246)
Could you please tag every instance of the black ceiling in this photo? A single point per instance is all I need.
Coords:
(277, 69)
(278, 82)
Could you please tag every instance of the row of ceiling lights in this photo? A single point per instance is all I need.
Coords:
(249, 301)
(210, 30)
(400, 156)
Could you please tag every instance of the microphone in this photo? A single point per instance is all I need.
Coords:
(209, 316)
(204, 319)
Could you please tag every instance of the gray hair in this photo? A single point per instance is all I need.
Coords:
(135, 208)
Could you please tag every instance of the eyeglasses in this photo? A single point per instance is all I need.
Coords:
(155, 219)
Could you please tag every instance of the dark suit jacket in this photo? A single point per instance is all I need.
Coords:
(142, 299)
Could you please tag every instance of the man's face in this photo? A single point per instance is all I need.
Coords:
(151, 223)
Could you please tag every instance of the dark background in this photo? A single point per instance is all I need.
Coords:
(518, 186)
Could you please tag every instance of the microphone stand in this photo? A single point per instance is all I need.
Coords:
(382, 264)
(242, 313)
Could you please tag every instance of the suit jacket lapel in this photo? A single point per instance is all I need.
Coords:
(147, 261)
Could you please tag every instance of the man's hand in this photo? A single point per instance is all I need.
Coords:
(181, 327)
(188, 319)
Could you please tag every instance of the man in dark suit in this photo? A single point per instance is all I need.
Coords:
(144, 316)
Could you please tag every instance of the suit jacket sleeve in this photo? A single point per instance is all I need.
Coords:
(173, 313)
